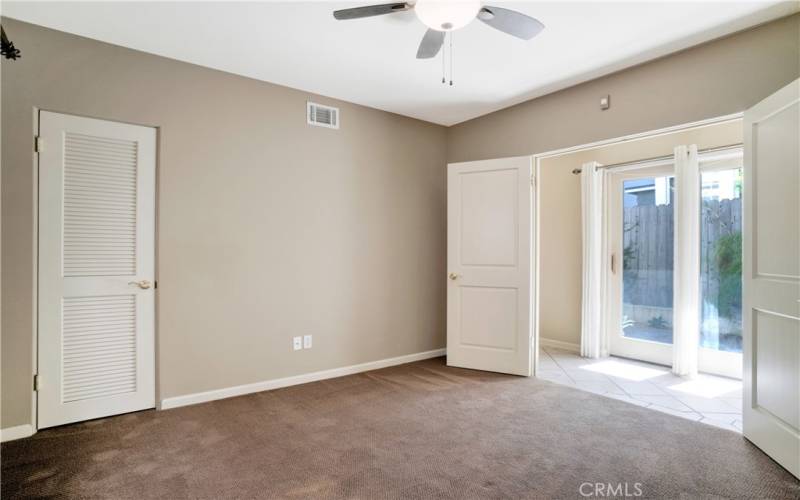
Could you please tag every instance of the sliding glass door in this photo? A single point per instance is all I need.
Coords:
(721, 268)
(640, 244)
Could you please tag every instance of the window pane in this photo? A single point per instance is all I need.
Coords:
(647, 230)
(721, 260)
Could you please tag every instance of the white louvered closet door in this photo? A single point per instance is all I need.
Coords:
(96, 268)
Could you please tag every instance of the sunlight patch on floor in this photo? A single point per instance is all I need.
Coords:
(626, 371)
(708, 399)
(708, 387)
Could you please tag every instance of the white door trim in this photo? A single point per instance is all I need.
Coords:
(639, 136)
(35, 312)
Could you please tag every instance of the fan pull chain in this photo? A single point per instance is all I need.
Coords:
(443, 79)
(449, 34)
(451, 58)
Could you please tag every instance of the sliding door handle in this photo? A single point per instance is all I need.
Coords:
(613, 263)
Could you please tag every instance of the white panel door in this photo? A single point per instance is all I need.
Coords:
(771, 276)
(96, 268)
(489, 205)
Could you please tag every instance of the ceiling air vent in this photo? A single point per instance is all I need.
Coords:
(322, 116)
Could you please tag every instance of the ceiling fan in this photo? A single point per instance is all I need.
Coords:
(443, 16)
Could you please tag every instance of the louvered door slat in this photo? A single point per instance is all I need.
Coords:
(81, 381)
(93, 227)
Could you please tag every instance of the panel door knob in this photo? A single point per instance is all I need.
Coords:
(144, 284)
(453, 276)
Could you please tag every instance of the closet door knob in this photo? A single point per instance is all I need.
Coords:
(453, 276)
(144, 284)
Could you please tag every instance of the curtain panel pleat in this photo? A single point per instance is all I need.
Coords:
(593, 303)
(686, 270)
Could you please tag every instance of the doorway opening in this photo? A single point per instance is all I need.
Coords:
(636, 348)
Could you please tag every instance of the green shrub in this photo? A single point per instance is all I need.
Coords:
(728, 258)
(657, 322)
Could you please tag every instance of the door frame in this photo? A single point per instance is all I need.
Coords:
(34, 424)
(538, 158)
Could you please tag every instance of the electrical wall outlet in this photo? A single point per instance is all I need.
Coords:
(297, 343)
(307, 342)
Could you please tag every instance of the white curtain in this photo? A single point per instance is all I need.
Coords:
(686, 270)
(593, 303)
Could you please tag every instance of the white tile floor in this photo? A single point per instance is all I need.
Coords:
(709, 399)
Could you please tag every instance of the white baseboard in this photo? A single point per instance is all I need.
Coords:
(557, 344)
(240, 390)
(18, 432)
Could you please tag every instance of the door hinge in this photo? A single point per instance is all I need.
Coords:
(533, 180)
(37, 144)
(36, 382)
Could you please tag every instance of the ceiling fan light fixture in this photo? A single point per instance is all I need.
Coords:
(446, 15)
(485, 14)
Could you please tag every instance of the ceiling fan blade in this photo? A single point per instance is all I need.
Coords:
(510, 21)
(431, 44)
(370, 10)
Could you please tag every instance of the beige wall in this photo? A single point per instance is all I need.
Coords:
(718, 78)
(267, 227)
(560, 271)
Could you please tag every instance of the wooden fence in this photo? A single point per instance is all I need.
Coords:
(648, 249)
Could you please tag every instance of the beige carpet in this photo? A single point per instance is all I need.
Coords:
(421, 430)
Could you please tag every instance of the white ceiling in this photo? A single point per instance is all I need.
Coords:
(372, 61)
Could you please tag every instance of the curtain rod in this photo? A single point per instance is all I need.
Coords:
(659, 158)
